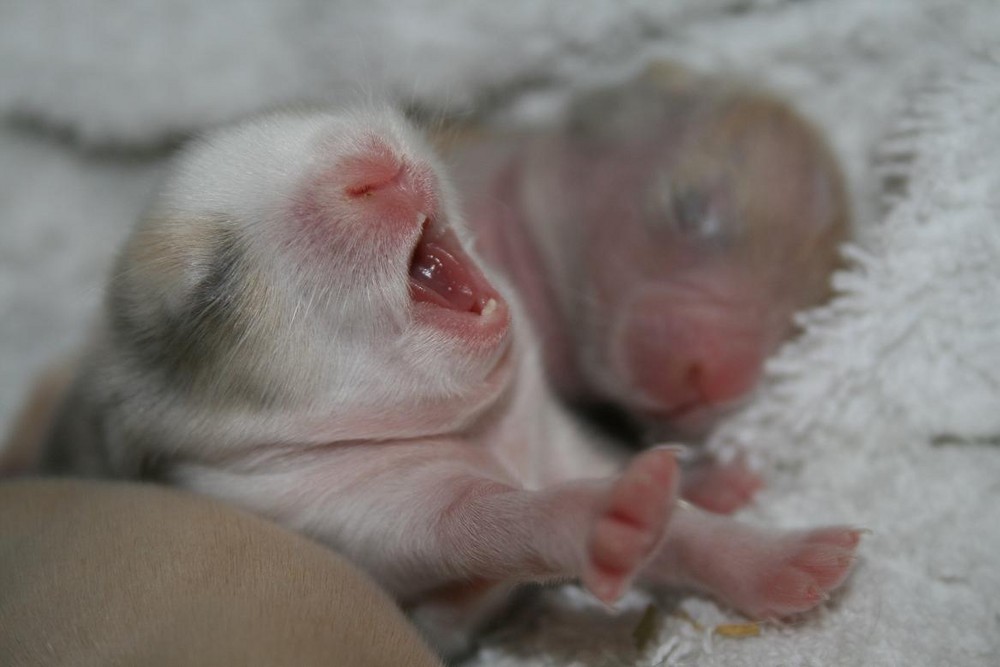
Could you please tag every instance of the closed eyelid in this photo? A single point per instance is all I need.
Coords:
(688, 210)
(692, 212)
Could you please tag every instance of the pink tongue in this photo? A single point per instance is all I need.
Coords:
(438, 275)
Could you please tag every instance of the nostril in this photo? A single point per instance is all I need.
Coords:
(361, 191)
(375, 166)
(398, 184)
(369, 178)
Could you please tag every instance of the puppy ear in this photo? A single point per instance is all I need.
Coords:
(174, 289)
(167, 261)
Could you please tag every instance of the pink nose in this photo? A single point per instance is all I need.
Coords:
(676, 362)
(379, 179)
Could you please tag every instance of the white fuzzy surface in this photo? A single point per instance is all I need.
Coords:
(885, 414)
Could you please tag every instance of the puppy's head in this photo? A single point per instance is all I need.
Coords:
(316, 258)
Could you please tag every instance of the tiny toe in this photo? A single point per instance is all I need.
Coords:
(787, 592)
(721, 501)
(646, 489)
(842, 536)
(605, 588)
(619, 547)
(827, 564)
(660, 463)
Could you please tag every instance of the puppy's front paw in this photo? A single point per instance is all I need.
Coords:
(631, 523)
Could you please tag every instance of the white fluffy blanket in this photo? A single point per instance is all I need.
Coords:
(885, 414)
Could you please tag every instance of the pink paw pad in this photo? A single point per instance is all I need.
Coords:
(808, 567)
(631, 524)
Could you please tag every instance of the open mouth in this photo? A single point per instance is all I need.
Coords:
(443, 274)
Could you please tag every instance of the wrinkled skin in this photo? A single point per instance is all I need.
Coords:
(299, 326)
(662, 239)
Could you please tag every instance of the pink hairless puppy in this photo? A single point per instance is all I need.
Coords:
(299, 326)
(661, 238)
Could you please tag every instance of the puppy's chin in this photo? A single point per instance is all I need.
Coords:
(455, 353)
(474, 335)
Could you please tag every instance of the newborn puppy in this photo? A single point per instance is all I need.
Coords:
(662, 239)
(299, 326)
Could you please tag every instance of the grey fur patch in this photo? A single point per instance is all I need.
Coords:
(186, 306)
(185, 338)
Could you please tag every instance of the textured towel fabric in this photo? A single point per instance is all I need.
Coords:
(886, 413)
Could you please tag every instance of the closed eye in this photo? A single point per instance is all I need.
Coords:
(692, 215)
(688, 212)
